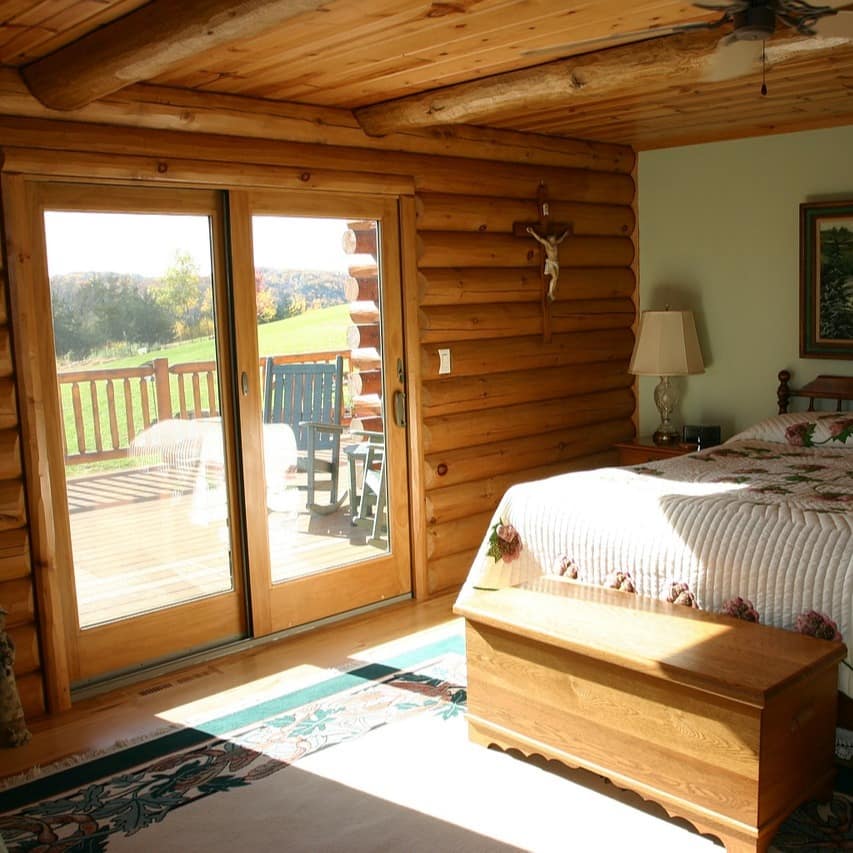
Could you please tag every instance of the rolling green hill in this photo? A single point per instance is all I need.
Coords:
(313, 331)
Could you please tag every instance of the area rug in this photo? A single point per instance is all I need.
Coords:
(376, 758)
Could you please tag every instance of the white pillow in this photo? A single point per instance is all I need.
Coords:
(830, 429)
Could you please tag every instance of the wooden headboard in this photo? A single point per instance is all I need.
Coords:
(838, 388)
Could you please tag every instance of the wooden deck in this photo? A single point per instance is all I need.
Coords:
(145, 538)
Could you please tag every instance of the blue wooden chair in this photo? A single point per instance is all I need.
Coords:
(308, 397)
(368, 507)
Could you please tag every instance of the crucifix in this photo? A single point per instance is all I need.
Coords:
(549, 235)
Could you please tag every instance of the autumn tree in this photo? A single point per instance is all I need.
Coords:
(188, 299)
(265, 299)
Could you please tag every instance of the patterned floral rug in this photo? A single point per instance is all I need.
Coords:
(147, 797)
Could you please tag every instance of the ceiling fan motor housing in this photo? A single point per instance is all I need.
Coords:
(756, 23)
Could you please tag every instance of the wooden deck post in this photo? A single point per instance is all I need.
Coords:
(162, 392)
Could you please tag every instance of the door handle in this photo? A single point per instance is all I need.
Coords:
(400, 408)
(244, 384)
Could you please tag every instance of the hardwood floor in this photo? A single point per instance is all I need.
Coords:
(200, 692)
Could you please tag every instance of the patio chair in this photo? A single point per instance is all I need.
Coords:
(308, 397)
(372, 504)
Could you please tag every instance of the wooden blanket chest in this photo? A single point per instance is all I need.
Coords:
(726, 723)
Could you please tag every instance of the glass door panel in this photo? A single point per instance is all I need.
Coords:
(334, 462)
(322, 409)
(134, 304)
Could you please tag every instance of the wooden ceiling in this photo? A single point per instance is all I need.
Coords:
(557, 67)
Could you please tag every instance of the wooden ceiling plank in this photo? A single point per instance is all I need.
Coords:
(147, 41)
(437, 66)
(723, 123)
(488, 38)
(309, 40)
(21, 41)
(67, 26)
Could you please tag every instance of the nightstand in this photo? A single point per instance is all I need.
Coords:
(640, 450)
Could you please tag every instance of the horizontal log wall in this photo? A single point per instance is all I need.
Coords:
(513, 408)
(17, 593)
(516, 407)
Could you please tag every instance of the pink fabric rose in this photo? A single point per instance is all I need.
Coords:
(680, 593)
(567, 568)
(741, 608)
(621, 581)
(800, 435)
(504, 543)
(818, 625)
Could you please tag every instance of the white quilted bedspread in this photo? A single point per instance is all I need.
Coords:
(768, 522)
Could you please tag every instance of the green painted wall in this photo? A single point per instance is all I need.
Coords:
(719, 234)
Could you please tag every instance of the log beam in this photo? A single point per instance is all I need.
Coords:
(146, 42)
(650, 64)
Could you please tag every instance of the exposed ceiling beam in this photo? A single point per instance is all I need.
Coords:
(682, 59)
(146, 42)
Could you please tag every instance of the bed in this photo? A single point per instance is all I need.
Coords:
(766, 516)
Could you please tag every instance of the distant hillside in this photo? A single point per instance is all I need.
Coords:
(319, 288)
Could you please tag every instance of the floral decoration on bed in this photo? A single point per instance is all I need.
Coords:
(621, 581)
(741, 608)
(803, 434)
(817, 625)
(504, 542)
(787, 471)
(679, 593)
(804, 429)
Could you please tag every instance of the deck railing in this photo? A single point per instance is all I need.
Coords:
(104, 410)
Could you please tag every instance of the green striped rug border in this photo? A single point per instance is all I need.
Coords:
(132, 756)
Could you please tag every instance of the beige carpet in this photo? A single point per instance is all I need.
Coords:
(417, 785)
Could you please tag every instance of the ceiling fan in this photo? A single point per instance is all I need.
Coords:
(752, 23)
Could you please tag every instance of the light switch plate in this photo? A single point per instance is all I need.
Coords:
(443, 361)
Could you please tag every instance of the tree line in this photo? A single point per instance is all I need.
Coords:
(110, 313)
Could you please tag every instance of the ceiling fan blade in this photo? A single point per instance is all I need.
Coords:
(835, 26)
(732, 59)
(627, 38)
(731, 8)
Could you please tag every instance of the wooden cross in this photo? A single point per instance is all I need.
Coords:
(549, 235)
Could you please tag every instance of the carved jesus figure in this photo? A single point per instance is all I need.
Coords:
(552, 257)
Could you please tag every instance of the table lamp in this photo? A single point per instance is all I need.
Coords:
(666, 346)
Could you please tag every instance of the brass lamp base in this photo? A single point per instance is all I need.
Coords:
(665, 438)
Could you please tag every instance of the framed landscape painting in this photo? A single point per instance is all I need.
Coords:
(826, 279)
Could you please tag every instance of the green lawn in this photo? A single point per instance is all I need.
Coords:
(314, 331)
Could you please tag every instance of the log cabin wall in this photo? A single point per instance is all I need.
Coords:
(516, 407)
(513, 408)
(17, 593)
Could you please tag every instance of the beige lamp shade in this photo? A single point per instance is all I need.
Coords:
(666, 345)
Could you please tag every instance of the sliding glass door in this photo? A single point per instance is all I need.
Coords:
(327, 330)
(140, 313)
(228, 448)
